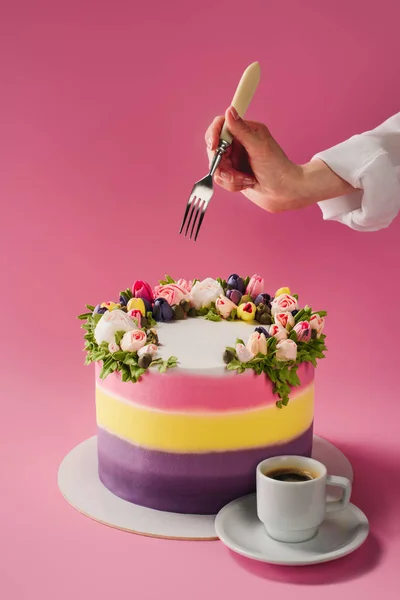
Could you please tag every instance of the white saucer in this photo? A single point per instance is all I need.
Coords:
(239, 528)
(80, 485)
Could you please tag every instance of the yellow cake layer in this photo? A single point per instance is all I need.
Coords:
(205, 432)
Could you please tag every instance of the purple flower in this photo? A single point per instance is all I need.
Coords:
(162, 311)
(234, 296)
(262, 298)
(236, 283)
(99, 310)
(262, 330)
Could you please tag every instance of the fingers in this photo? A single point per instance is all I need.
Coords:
(232, 180)
(213, 132)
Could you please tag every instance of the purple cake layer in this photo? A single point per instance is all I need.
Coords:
(185, 483)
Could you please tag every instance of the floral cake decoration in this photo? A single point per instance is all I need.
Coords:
(123, 337)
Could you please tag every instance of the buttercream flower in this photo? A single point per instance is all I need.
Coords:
(132, 341)
(162, 311)
(262, 330)
(137, 304)
(246, 311)
(113, 347)
(99, 310)
(186, 285)
(285, 319)
(234, 282)
(136, 315)
(286, 350)
(171, 292)
(205, 292)
(282, 290)
(110, 323)
(255, 286)
(284, 303)
(262, 299)
(317, 324)
(303, 330)
(278, 332)
(141, 289)
(224, 306)
(257, 343)
(110, 305)
(243, 353)
(234, 295)
(150, 349)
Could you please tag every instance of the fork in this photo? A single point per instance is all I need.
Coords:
(202, 191)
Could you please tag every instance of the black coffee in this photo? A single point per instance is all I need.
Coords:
(290, 474)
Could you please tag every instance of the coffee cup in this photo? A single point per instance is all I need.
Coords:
(291, 496)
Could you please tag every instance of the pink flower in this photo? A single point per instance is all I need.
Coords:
(113, 347)
(224, 306)
(133, 340)
(136, 315)
(151, 349)
(284, 319)
(284, 303)
(186, 285)
(243, 353)
(303, 330)
(171, 292)
(317, 323)
(255, 286)
(278, 332)
(257, 343)
(141, 289)
(286, 350)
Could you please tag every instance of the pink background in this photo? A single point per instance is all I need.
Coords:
(103, 108)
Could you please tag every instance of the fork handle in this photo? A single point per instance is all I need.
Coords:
(243, 96)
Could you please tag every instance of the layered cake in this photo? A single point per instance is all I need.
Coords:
(196, 383)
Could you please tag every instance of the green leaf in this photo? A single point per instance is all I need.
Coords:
(246, 282)
(118, 335)
(202, 312)
(239, 341)
(130, 359)
(213, 316)
(120, 356)
(84, 316)
(150, 321)
(233, 315)
(90, 307)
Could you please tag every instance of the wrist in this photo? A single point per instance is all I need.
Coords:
(318, 182)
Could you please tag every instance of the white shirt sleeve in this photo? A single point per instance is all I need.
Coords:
(371, 162)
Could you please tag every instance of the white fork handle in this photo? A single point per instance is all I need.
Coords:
(243, 95)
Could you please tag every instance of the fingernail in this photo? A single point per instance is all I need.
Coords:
(234, 113)
(209, 143)
(225, 175)
(248, 181)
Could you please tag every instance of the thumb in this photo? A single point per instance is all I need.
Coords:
(239, 128)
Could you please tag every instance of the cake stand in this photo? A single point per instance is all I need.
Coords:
(80, 485)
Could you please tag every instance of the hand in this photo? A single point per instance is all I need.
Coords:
(257, 166)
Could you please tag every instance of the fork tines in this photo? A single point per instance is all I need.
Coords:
(196, 207)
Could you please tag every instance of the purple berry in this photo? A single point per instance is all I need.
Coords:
(98, 310)
(162, 311)
(234, 295)
(294, 312)
(262, 330)
(122, 300)
(235, 282)
(262, 298)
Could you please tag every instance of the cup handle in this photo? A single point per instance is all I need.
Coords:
(345, 484)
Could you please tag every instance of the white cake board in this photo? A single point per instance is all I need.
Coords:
(80, 485)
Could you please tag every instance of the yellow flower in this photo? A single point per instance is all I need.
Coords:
(246, 311)
(283, 290)
(137, 304)
(110, 305)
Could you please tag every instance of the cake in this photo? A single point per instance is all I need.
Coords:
(196, 383)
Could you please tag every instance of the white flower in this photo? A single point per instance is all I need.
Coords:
(278, 332)
(110, 323)
(257, 343)
(284, 319)
(286, 350)
(284, 303)
(317, 323)
(243, 353)
(205, 292)
(224, 306)
(113, 347)
(150, 349)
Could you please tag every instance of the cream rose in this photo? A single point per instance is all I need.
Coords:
(286, 350)
(171, 292)
(150, 349)
(186, 285)
(284, 319)
(113, 347)
(317, 323)
(284, 303)
(303, 330)
(243, 353)
(257, 343)
(110, 323)
(205, 292)
(224, 306)
(133, 340)
(278, 332)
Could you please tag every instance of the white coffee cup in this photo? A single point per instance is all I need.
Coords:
(293, 511)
